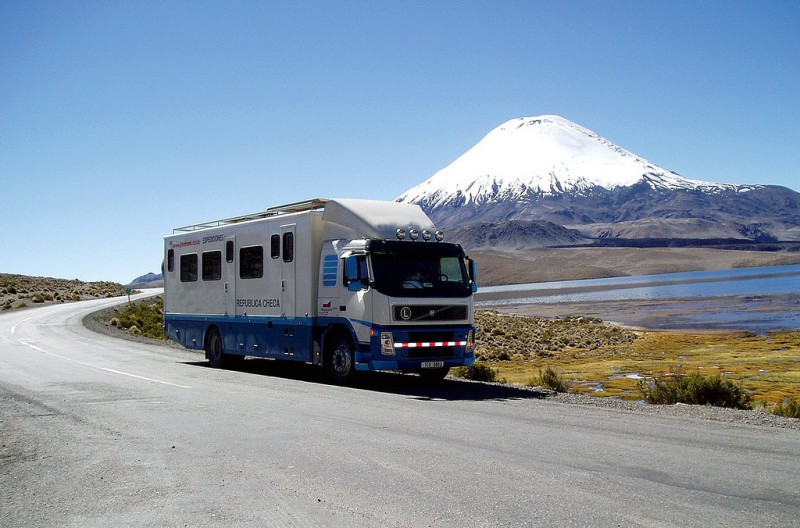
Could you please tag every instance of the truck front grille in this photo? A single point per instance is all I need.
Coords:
(429, 312)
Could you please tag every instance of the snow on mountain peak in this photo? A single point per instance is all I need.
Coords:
(542, 155)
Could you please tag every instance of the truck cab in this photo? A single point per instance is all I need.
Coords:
(407, 302)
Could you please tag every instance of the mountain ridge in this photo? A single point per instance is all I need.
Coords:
(547, 168)
(148, 280)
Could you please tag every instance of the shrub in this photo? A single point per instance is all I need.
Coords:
(145, 316)
(41, 297)
(551, 380)
(694, 389)
(475, 372)
(787, 409)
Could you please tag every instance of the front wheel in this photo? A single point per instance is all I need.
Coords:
(341, 361)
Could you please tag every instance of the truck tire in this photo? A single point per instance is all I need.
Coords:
(216, 357)
(341, 361)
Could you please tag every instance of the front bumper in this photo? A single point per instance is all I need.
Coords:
(417, 348)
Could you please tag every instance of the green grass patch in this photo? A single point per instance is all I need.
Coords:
(695, 389)
(550, 379)
(787, 409)
(478, 371)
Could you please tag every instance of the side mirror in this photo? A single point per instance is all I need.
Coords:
(473, 274)
(354, 267)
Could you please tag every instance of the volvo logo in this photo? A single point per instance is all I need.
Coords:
(405, 313)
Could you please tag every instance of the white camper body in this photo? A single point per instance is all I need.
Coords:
(325, 282)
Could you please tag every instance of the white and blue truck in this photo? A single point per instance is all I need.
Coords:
(347, 284)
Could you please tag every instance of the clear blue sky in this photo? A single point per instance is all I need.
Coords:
(121, 120)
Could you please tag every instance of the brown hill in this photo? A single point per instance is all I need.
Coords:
(22, 291)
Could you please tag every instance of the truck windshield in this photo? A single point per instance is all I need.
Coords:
(419, 269)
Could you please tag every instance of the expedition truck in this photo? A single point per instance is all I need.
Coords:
(346, 284)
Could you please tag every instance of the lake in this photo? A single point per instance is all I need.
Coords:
(753, 299)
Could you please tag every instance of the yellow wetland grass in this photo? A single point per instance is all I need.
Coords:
(768, 366)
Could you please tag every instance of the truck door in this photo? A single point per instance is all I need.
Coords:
(288, 273)
(229, 275)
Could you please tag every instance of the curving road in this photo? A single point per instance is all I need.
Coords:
(97, 431)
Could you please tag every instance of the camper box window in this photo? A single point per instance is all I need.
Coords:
(251, 262)
(275, 246)
(189, 267)
(212, 265)
(288, 247)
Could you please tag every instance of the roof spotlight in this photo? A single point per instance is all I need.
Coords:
(426, 235)
(439, 236)
(414, 234)
(401, 233)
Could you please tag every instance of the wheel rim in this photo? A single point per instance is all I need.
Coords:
(342, 361)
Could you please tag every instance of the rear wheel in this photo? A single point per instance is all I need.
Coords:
(216, 357)
(341, 361)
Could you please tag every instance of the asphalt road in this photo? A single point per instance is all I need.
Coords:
(97, 431)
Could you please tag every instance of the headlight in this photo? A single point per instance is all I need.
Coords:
(387, 344)
(471, 342)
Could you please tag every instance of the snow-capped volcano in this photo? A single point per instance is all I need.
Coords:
(550, 169)
(545, 155)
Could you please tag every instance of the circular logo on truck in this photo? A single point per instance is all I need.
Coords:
(405, 313)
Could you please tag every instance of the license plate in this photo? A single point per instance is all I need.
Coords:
(432, 364)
